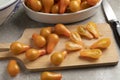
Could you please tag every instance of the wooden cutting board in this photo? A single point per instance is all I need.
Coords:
(110, 55)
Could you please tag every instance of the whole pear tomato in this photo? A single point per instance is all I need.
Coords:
(18, 48)
(33, 54)
(13, 68)
(39, 40)
(35, 5)
(58, 57)
(45, 32)
(53, 39)
(51, 76)
(74, 6)
(92, 2)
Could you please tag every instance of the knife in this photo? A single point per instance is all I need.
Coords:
(112, 20)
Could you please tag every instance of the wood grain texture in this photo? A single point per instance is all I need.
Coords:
(110, 55)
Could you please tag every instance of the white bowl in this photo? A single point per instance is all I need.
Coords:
(61, 18)
(6, 8)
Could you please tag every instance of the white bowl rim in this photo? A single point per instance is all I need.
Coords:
(6, 5)
(48, 14)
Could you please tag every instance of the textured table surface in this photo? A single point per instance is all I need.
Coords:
(14, 28)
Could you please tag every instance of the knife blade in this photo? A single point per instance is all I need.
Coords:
(112, 20)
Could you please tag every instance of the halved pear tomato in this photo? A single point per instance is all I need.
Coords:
(101, 44)
(83, 32)
(92, 28)
(91, 53)
(71, 46)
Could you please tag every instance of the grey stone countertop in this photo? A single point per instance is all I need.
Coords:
(14, 28)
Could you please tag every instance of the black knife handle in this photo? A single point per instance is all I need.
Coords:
(115, 25)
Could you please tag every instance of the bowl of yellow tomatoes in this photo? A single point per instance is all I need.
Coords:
(60, 11)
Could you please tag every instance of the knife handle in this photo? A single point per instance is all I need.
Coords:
(115, 25)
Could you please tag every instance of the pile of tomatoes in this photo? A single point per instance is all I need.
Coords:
(59, 6)
(49, 37)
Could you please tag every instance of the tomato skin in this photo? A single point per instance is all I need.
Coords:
(75, 37)
(55, 8)
(79, 1)
(51, 76)
(58, 57)
(35, 5)
(92, 2)
(71, 46)
(13, 68)
(83, 32)
(53, 39)
(45, 32)
(84, 5)
(61, 29)
(101, 44)
(91, 53)
(39, 40)
(18, 48)
(74, 6)
(33, 54)
(47, 4)
(92, 28)
(63, 4)
(83, 0)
